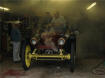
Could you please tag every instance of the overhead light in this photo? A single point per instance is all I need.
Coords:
(14, 22)
(4, 8)
(1, 7)
(91, 6)
(7, 9)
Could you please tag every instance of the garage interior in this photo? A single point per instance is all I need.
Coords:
(90, 40)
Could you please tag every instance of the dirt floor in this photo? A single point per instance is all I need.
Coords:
(86, 68)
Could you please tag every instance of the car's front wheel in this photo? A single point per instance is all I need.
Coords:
(26, 60)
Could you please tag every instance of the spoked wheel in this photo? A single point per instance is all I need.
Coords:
(26, 60)
(73, 56)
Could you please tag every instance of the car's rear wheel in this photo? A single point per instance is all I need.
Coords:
(26, 60)
(73, 56)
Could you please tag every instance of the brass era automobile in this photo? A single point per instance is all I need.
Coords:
(48, 45)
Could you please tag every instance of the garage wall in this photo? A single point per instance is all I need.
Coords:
(91, 40)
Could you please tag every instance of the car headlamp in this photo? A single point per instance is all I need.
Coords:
(33, 41)
(61, 41)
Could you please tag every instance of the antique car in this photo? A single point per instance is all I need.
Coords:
(50, 46)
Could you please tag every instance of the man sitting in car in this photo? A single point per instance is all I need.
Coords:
(57, 25)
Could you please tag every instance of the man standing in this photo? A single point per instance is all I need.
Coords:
(16, 38)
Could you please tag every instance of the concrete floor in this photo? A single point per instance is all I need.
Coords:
(84, 68)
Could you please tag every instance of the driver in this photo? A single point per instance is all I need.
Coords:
(58, 23)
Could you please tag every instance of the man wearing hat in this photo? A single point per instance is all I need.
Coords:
(16, 38)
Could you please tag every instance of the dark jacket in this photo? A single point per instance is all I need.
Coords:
(15, 35)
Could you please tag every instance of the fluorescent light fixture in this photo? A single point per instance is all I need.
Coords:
(4, 8)
(91, 6)
(7, 9)
(14, 22)
(1, 7)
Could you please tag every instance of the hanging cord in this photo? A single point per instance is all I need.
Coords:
(99, 69)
